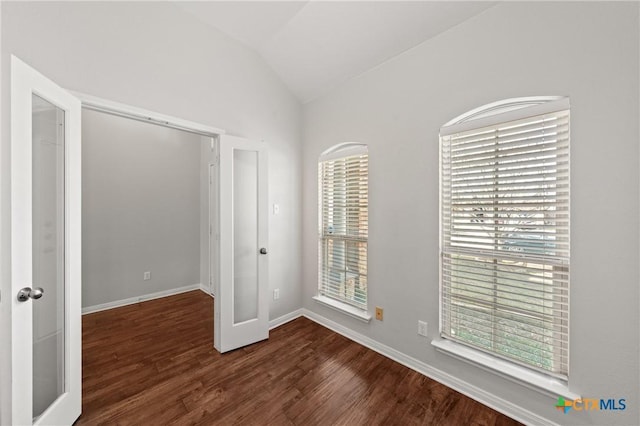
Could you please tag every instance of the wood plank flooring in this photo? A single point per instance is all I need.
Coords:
(153, 363)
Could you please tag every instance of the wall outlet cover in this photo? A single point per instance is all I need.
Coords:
(379, 313)
(423, 328)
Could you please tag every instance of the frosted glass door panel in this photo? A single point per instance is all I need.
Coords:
(48, 253)
(245, 235)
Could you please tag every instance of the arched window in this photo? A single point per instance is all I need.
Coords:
(505, 232)
(344, 227)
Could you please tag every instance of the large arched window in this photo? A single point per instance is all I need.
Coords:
(505, 232)
(344, 227)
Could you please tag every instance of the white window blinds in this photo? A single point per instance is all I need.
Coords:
(505, 238)
(344, 228)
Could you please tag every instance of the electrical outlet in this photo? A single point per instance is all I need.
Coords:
(147, 276)
(379, 313)
(422, 328)
(276, 294)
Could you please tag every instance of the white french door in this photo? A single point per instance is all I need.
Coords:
(241, 304)
(45, 250)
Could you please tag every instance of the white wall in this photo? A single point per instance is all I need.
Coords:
(157, 57)
(587, 51)
(140, 208)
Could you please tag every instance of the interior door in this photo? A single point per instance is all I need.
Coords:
(241, 304)
(45, 250)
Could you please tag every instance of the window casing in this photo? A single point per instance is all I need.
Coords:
(344, 224)
(505, 233)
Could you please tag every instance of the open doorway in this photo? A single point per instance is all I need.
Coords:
(149, 211)
(163, 227)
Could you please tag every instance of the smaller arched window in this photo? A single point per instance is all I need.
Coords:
(504, 246)
(343, 212)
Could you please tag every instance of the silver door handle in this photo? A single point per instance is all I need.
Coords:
(263, 250)
(29, 293)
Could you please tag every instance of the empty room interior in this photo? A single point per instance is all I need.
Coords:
(320, 212)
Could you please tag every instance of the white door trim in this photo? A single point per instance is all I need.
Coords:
(116, 108)
(213, 213)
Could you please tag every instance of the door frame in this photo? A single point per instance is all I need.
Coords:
(213, 190)
(127, 111)
(118, 109)
(26, 81)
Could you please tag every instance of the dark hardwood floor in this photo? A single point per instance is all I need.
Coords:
(153, 363)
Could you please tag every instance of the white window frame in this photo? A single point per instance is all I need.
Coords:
(337, 152)
(488, 115)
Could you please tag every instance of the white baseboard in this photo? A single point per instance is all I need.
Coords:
(490, 400)
(277, 322)
(206, 290)
(137, 299)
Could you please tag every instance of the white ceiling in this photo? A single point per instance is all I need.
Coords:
(316, 45)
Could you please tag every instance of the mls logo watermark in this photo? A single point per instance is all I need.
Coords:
(591, 404)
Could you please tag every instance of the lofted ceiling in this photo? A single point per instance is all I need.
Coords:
(316, 45)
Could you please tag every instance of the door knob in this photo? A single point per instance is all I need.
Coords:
(263, 250)
(29, 293)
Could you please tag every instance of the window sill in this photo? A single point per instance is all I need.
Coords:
(521, 375)
(352, 311)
